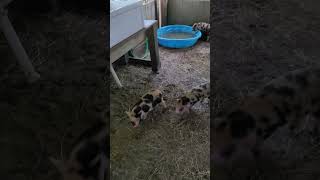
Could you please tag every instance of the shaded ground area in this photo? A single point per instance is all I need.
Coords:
(44, 119)
(254, 42)
(166, 145)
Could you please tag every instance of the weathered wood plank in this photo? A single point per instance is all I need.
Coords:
(154, 47)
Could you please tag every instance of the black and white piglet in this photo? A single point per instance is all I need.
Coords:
(146, 104)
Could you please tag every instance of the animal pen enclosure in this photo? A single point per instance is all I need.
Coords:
(165, 145)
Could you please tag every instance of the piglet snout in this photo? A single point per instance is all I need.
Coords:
(134, 124)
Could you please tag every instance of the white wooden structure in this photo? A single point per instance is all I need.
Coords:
(120, 49)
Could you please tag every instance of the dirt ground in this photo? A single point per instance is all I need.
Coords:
(43, 119)
(166, 145)
(254, 42)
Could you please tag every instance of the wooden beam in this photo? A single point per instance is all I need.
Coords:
(154, 47)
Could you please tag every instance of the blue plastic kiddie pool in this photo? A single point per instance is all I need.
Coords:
(177, 36)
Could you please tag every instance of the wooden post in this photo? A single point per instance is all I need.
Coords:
(154, 47)
(160, 13)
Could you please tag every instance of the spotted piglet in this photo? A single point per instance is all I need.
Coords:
(146, 104)
(199, 93)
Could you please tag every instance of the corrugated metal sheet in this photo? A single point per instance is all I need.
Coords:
(188, 11)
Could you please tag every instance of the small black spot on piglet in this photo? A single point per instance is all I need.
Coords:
(157, 101)
(148, 97)
(145, 108)
(138, 115)
(147, 101)
(137, 110)
(185, 100)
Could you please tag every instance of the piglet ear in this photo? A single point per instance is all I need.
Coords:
(57, 163)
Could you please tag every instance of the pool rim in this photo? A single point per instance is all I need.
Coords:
(197, 33)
